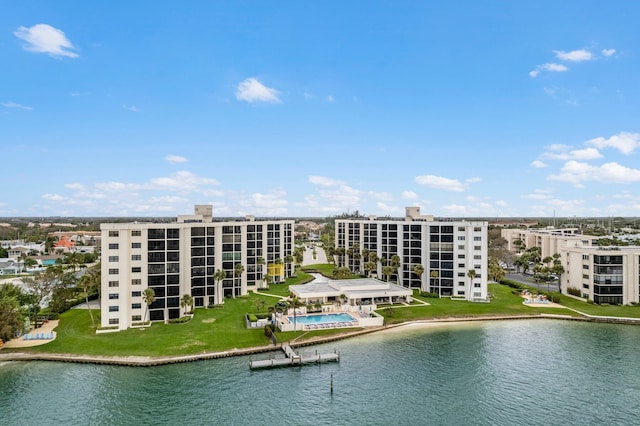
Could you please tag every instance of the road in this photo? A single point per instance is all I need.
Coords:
(528, 280)
(307, 258)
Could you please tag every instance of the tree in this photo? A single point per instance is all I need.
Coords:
(294, 303)
(186, 300)
(148, 296)
(288, 259)
(558, 269)
(495, 271)
(388, 271)
(89, 282)
(40, 286)
(435, 283)
(218, 277)
(471, 273)
(238, 269)
(395, 264)
(519, 245)
(419, 270)
(11, 317)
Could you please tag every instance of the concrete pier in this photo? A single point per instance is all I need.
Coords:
(292, 358)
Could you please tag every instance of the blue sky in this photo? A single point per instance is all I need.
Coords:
(465, 108)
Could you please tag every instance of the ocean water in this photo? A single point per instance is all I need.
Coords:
(531, 372)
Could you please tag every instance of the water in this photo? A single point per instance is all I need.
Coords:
(322, 319)
(535, 372)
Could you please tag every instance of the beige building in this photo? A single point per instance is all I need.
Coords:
(181, 258)
(602, 274)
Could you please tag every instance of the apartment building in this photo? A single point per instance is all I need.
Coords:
(609, 274)
(446, 249)
(181, 257)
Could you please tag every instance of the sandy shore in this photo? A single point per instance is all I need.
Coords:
(21, 343)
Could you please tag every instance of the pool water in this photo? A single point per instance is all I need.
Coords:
(322, 319)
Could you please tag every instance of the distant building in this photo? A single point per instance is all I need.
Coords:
(182, 257)
(608, 274)
(447, 250)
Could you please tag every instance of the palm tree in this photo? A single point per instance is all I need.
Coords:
(238, 269)
(90, 281)
(294, 303)
(419, 270)
(218, 276)
(185, 301)
(388, 271)
(149, 296)
(558, 269)
(288, 259)
(472, 275)
(434, 280)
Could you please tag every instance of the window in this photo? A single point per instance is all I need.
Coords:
(136, 293)
(114, 308)
(136, 245)
(477, 248)
(477, 229)
(460, 283)
(136, 269)
(114, 259)
(137, 281)
(460, 265)
(585, 257)
(113, 246)
(460, 237)
(113, 321)
(136, 257)
(477, 294)
(476, 285)
(585, 266)
(136, 305)
(136, 233)
(114, 284)
(461, 256)
(114, 271)
(461, 247)
(136, 318)
(113, 233)
(477, 238)
(477, 257)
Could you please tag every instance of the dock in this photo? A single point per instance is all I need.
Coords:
(292, 358)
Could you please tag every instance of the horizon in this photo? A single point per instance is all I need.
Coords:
(287, 109)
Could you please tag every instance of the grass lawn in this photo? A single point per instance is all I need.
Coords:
(219, 329)
(503, 303)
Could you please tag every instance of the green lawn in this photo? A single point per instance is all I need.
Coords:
(219, 329)
(504, 302)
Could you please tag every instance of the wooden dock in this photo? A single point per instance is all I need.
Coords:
(292, 358)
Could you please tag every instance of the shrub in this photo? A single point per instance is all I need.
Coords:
(429, 295)
(590, 302)
(180, 320)
(511, 284)
(574, 291)
(268, 330)
(252, 317)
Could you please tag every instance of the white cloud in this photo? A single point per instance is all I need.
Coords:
(608, 52)
(538, 164)
(251, 90)
(552, 67)
(272, 203)
(174, 159)
(382, 196)
(624, 142)
(182, 182)
(387, 209)
(16, 105)
(439, 182)
(576, 172)
(131, 108)
(576, 154)
(501, 203)
(473, 180)
(574, 55)
(538, 194)
(324, 181)
(330, 99)
(307, 95)
(43, 38)
(54, 197)
(409, 195)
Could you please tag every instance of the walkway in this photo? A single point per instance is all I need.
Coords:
(47, 327)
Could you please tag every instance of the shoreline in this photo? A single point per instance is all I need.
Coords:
(142, 361)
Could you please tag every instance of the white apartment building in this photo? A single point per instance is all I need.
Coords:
(447, 250)
(603, 274)
(181, 258)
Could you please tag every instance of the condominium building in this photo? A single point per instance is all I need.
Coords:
(608, 274)
(447, 250)
(182, 257)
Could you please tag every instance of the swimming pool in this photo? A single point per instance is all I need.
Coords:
(322, 319)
